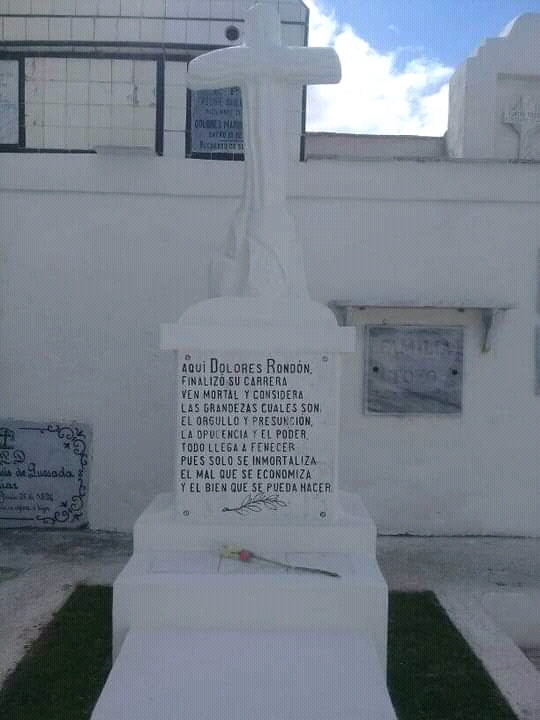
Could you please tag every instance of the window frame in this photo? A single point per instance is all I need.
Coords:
(23, 56)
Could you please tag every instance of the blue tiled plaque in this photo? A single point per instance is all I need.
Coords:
(43, 474)
(413, 370)
(216, 123)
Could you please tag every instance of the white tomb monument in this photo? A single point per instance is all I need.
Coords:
(196, 632)
(494, 98)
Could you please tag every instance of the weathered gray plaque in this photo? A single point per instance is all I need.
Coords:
(43, 474)
(257, 437)
(413, 370)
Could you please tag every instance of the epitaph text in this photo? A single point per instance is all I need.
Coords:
(256, 436)
(216, 123)
(43, 474)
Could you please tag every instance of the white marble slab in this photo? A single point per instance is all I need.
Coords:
(196, 562)
(203, 563)
(341, 563)
(185, 590)
(158, 530)
(262, 675)
(257, 436)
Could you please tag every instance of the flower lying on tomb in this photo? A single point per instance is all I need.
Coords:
(234, 552)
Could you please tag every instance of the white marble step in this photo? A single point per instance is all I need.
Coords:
(198, 590)
(236, 675)
(159, 528)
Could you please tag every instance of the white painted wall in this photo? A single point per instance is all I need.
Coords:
(97, 251)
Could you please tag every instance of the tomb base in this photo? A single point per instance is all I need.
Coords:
(177, 578)
(159, 530)
(226, 675)
(199, 635)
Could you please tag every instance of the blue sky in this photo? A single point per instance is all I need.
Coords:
(397, 57)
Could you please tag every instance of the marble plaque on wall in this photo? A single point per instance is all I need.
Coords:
(43, 474)
(413, 370)
(257, 437)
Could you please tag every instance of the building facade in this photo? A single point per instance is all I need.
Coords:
(115, 195)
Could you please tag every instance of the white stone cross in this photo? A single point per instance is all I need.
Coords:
(263, 256)
(525, 119)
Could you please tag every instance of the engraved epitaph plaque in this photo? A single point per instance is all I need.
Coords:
(43, 474)
(257, 437)
(413, 370)
(215, 123)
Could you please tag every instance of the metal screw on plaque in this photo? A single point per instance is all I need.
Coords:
(232, 33)
(187, 357)
(323, 514)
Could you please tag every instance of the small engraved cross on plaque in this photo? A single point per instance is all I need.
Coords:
(6, 435)
(263, 253)
(524, 117)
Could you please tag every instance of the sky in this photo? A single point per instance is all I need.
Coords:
(397, 57)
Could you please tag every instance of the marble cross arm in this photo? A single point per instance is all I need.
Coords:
(240, 64)
(216, 69)
(311, 66)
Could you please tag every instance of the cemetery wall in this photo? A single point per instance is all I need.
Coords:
(97, 251)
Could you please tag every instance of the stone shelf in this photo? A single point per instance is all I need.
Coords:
(488, 312)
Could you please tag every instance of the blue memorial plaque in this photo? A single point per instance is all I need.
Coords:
(216, 123)
(413, 370)
(43, 474)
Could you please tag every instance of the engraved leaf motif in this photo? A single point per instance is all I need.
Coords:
(256, 503)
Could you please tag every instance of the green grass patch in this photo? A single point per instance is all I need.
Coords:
(432, 673)
(62, 674)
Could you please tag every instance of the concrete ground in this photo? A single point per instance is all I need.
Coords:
(490, 588)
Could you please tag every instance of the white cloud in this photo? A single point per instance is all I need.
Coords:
(375, 95)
